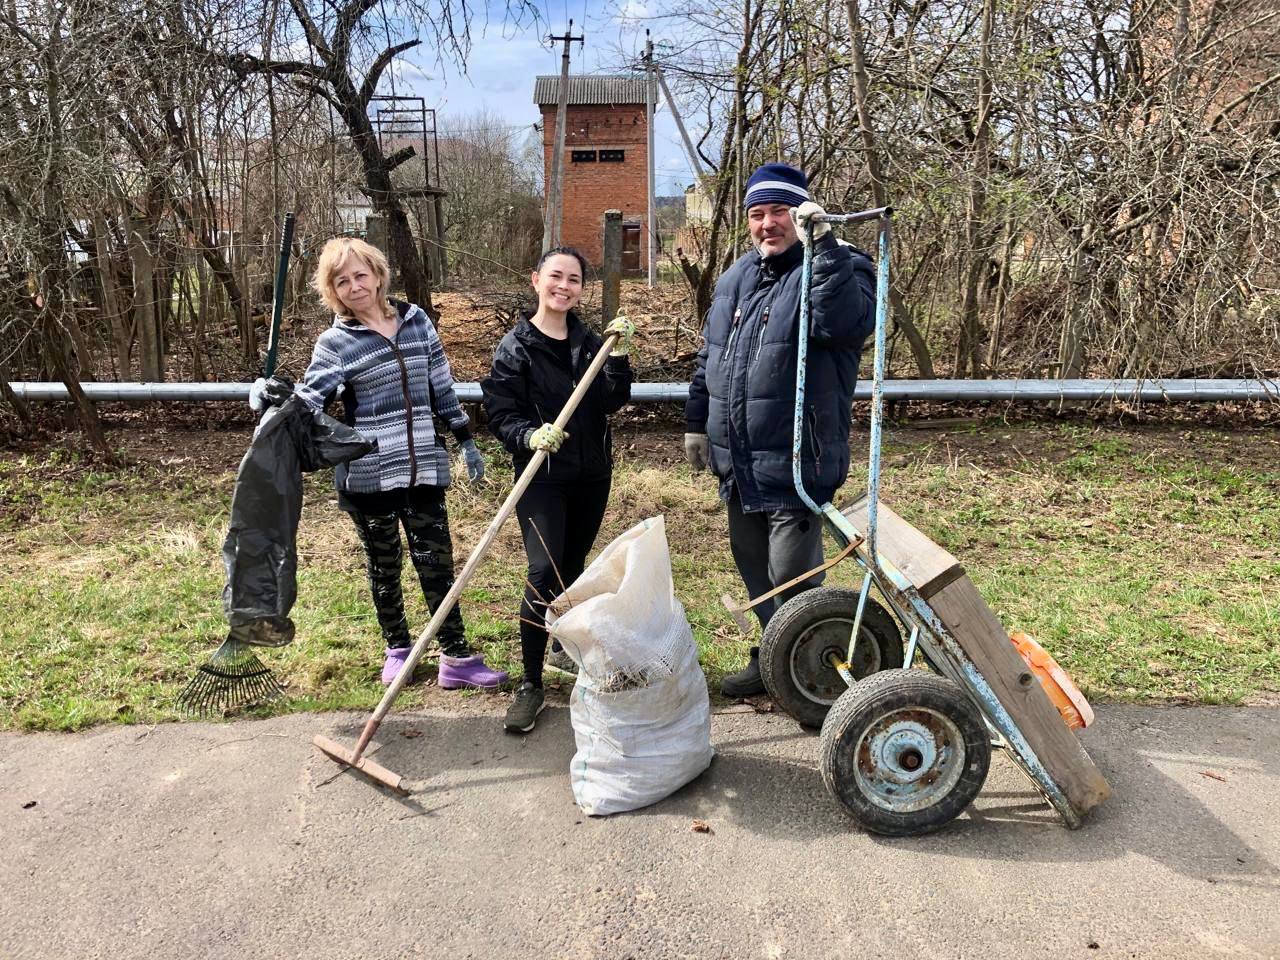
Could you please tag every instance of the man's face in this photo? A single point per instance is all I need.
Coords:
(771, 228)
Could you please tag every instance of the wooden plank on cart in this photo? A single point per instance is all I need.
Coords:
(928, 566)
(984, 639)
(940, 580)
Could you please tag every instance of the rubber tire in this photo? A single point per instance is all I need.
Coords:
(861, 707)
(797, 615)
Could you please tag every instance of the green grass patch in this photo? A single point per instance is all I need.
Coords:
(1145, 562)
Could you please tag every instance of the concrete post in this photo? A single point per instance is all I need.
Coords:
(442, 255)
(432, 255)
(611, 272)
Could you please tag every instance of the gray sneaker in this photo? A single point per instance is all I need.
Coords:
(524, 710)
(561, 661)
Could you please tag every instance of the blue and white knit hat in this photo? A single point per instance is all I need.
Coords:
(776, 183)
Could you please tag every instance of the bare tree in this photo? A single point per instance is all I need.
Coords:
(493, 214)
(346, 71)
(48, 111)
(1088, 186)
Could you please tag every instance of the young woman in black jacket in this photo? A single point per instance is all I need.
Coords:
(535, 369)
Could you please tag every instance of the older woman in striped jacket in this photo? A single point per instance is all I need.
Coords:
(387, 362)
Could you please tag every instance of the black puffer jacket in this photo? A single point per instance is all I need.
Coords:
(528, 386)
(743, 391)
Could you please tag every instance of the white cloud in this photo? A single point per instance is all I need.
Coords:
(407, 72)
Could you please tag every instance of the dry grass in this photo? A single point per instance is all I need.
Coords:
(1144, 559)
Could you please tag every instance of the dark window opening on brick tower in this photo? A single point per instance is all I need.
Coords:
(612, 156)
(583, 156)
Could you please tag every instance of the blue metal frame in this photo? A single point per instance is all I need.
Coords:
(942, 652)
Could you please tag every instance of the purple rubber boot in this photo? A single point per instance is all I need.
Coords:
(396, 656)
(458, 672)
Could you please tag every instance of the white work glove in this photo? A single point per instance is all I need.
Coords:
(268, 392)
(547, 437)
(474, 460)
(800, 217)
(625, 330)
(697, 450)
(258, 395)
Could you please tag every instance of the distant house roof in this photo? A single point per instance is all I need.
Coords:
(591, 89)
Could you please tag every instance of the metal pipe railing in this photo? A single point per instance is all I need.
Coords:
(1005, 391)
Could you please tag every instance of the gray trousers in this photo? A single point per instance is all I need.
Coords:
(772, 547)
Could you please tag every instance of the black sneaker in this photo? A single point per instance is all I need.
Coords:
(524, 710)
(746, 682)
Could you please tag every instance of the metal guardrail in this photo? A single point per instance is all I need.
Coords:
(1009, 391)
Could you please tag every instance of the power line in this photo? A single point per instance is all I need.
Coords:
(446, 131)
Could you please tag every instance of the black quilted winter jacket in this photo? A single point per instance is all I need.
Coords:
(743, 390)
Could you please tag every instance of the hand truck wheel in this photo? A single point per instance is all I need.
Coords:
(811, 630)
(904, 752)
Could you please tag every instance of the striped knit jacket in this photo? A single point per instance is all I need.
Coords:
(394, 389)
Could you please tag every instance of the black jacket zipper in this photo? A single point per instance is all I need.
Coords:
(817, 445)
(408, 406)
(759, 345)
(733, 333)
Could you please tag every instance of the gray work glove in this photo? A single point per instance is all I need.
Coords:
(800, 217)
(269, 392)
(474, 460)
(697, 450)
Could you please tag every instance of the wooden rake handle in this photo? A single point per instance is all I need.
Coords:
(478, 554)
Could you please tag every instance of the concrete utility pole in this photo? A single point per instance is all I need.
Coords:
(555, 189)
(648, 109)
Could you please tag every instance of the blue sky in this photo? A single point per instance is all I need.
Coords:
(505, 57)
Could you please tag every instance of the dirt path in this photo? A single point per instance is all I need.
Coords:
(196, 840)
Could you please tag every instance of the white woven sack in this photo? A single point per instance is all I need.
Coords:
(640, 713)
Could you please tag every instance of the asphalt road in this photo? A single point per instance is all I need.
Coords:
(240, 840)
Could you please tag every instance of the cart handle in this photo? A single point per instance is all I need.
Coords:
(862, 216)
(884, 215)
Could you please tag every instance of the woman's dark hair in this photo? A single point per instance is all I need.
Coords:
(567, 252)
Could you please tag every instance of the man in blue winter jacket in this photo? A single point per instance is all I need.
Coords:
(742, 399)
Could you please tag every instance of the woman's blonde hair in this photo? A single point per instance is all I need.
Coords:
(334, 256)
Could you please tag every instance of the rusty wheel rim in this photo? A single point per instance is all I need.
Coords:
(909, 759)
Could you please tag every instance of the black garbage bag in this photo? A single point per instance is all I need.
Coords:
(260, 552)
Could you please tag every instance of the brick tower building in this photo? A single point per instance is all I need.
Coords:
(605, 160)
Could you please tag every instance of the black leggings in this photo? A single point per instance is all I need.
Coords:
(421, 511)
(559, 523)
